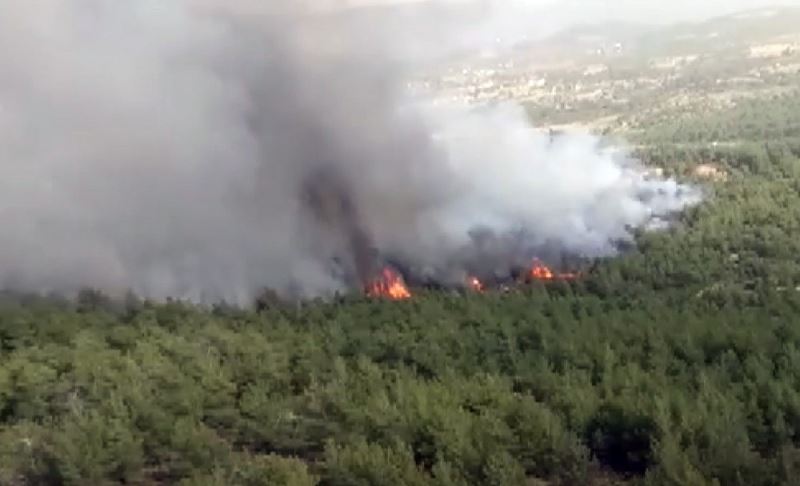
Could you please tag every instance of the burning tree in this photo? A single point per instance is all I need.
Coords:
(389, 285)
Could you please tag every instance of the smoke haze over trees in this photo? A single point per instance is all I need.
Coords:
(164, 148)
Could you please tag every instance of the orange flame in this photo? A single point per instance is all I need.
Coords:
(540, 271)
(475, 284)
(389, 285)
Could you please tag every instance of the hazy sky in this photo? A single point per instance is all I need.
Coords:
(510, 20)
(588, 10)
(542, 17)
(582, 11)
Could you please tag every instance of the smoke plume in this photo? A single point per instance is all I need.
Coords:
(205, 151)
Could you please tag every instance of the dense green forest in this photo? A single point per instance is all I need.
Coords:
(750, 119)
(675, 364)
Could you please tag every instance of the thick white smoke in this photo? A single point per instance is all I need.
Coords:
(163, 147)
(566, 189)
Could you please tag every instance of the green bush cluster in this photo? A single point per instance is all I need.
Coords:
(557, 385)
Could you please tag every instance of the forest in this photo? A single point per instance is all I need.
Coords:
(677, 363)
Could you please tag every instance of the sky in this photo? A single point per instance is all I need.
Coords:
(549, 16)
(509, 21)
(651, 11)
(579, 11)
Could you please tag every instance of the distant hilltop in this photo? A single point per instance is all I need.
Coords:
(724, 32)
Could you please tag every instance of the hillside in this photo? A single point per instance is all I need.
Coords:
(731, 31)
(676, 362)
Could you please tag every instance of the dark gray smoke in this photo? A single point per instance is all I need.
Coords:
(206, 151)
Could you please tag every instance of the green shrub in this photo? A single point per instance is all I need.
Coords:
(364, 464)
